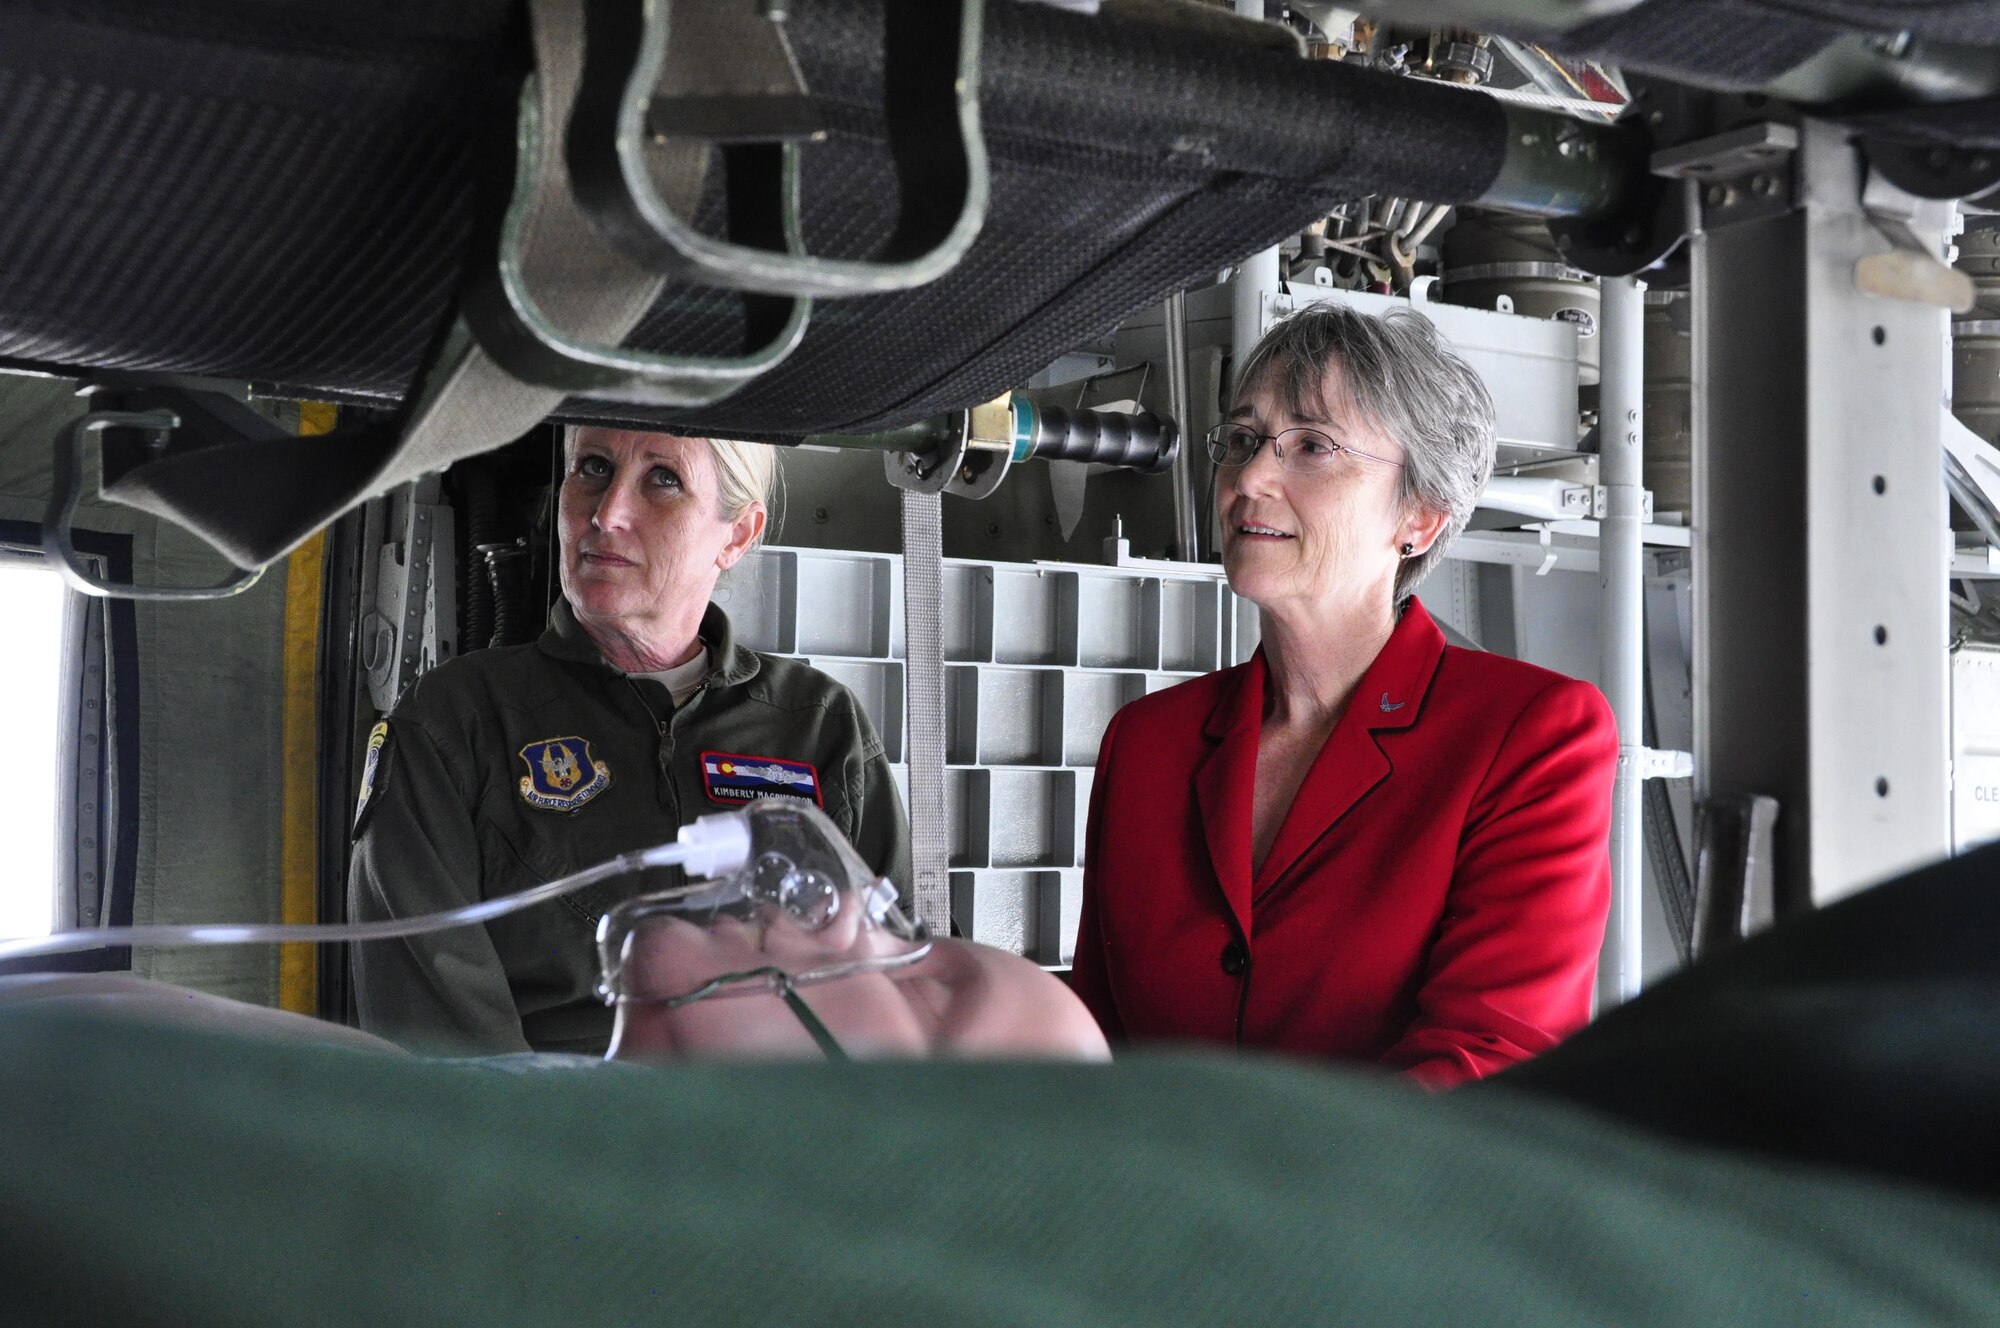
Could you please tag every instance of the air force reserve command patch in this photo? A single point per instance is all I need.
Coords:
(731, 778)
(562, 775)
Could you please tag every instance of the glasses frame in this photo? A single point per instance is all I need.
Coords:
(1212, 441)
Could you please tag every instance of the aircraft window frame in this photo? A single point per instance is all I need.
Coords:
(38, 659)
(97, 751)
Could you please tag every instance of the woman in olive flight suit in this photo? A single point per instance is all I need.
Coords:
(635, 713)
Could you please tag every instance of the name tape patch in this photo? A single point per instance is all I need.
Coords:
(732, 777)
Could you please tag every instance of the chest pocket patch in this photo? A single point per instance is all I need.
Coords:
(732, 778)
(562, 774)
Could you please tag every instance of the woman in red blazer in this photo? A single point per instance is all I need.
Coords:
(1364, 843)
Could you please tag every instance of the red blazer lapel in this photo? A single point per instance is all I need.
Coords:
(1226, 778)
(1389, 696)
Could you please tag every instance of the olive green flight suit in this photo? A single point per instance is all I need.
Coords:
(471, 796)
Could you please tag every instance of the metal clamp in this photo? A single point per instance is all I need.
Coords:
(1600, 503)
(963, 452)
(615, 119)
(934, 453)
(1746, 174)
(68, 491)
(1659, 763)
(968, 453)
(512, 326)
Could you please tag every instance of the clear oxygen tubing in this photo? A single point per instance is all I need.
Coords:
(709, 847)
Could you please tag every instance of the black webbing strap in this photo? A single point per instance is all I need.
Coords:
(255, 500)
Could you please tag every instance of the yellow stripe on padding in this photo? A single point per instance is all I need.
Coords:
(298, 965)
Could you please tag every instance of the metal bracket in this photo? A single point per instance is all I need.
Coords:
(58, 522)
(1552, 499)
(512, 326)
(1745, 174)
(1727, 155)
(1600, 503)
(1655, 763)
(989, 449)
(947, 461)
(730, 77)
(966, 452)
(932, 469)
(413, 625)
(615, 119)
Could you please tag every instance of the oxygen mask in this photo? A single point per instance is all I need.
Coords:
(801, 908)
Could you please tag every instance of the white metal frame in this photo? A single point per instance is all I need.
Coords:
(1821, 536)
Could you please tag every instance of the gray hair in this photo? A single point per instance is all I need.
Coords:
(1402, 377)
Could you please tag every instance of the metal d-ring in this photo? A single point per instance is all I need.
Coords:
(515, 330)
(68, 490)
(614, 184)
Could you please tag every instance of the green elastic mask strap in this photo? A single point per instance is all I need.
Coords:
(778, 978)
(820, 1034)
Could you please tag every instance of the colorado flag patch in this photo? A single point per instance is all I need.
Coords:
(730, 777)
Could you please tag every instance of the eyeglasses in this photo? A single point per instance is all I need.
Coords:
(1301, 451)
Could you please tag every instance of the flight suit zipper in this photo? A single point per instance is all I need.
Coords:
(670, 791)
(663, 753)
(667, 780)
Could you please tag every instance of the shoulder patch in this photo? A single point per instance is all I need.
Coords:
(371, 770)
(562, 774)
(730, 777)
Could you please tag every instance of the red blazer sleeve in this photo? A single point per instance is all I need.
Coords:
(1088, 977)
(1514, 964)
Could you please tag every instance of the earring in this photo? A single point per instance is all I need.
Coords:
(1409, 549)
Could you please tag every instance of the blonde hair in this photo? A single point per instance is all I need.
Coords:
(745, 473)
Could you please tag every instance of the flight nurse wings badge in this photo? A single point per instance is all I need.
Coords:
(562, 774)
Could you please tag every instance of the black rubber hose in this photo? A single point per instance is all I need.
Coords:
(1142, 442)
(479, 493)
(507, 571)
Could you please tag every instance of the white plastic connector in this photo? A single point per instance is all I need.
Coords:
(712, 846)
(1655, 763)
(881, 897)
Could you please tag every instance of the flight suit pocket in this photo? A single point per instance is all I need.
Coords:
(551, 845)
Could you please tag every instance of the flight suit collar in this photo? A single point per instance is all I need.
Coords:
(728, 663)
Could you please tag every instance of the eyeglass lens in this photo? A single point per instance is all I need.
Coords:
(1303, 450)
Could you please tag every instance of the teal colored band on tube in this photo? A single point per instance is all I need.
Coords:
(1024, 428)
